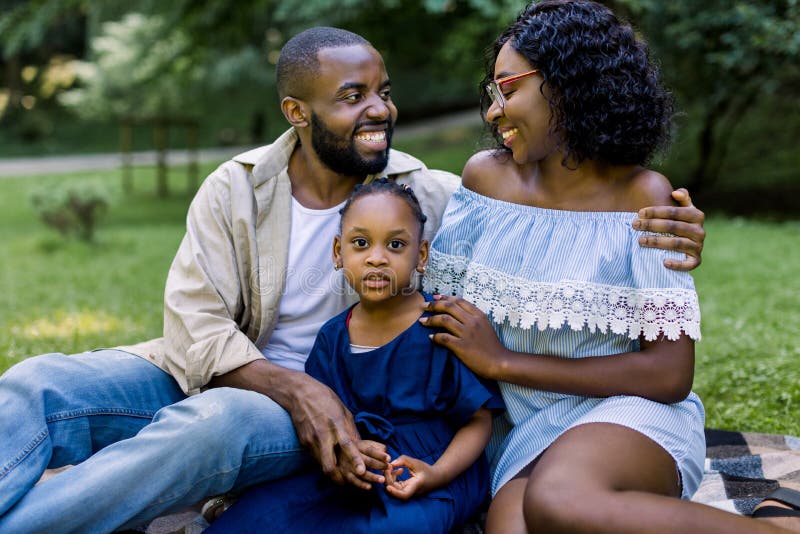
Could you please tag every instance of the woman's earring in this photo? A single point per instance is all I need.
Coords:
(421, 270)
(337, 266)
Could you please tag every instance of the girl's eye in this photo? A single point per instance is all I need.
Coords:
(396, 244)
(360, 242)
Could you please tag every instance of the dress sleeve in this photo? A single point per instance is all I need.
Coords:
(664, 301)
(319, 364)
(467, 391)
(204, 293)
(324, 362)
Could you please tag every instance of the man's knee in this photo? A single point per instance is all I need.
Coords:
(33, 372)
(223, 416)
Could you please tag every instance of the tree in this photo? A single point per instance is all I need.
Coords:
(140, 70)
(720, 57)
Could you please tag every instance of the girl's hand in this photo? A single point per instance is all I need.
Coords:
(469, 334)
(422, 478)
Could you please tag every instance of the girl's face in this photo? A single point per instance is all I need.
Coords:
(380, 247)
(524, 122)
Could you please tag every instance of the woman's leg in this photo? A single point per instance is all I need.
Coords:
(608, 478)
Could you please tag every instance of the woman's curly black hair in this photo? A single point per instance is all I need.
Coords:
(606, 97)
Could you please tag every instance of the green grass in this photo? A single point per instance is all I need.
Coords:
(69, 296)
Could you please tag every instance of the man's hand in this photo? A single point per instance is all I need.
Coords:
(326, 428)
(377, 461)
(322, 423)
(684, 221)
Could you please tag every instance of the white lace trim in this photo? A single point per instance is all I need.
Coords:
(621, 310)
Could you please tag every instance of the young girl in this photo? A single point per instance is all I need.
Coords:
(590, 338)
(413, 401)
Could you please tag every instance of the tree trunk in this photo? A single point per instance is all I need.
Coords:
(698, 177)
(160, 133)
(13, 82)
(726, 126)
(126, 155)
(191, 146)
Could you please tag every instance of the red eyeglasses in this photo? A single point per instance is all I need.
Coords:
(493, 87)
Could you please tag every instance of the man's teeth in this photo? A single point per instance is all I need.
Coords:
(374, 137)
(508, 133)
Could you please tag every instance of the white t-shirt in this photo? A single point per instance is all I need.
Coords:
(314, 291)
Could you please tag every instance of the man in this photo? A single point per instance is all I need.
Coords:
(221, 401)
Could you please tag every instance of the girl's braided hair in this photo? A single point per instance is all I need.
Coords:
(385, 185)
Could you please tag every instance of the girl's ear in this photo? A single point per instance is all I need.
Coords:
(337, 252)
(423, 256)
(295, 111)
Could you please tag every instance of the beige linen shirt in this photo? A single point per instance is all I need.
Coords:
(224, 286)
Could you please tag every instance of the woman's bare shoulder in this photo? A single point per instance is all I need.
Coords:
(485, 170)
(649, 188)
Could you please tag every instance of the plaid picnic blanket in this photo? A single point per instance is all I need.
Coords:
(742, 468)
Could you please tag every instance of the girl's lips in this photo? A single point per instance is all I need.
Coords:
(376, 280)
(376, 283)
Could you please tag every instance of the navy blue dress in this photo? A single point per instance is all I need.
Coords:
(411, 395)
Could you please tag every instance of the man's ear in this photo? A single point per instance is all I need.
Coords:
(296, 111)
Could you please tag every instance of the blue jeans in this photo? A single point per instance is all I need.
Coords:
(141, 448)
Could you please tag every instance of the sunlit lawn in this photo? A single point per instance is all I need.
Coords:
(68, 296)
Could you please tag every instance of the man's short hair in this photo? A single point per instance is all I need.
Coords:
(298, 63)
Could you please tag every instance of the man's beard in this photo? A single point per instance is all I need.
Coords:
(340, 155)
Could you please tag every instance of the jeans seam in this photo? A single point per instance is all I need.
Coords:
(26, 451)
(72, 414)
(172, 498)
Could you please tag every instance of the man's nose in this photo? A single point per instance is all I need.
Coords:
(378, 109)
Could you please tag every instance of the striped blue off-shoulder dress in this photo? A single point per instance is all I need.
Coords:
(570, 284)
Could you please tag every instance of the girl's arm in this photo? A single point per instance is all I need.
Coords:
(466, 447)
(661, 371)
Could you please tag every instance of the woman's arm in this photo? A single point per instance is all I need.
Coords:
(662, 370)
(466, 447)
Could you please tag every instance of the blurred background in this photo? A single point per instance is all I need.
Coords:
(84, 253)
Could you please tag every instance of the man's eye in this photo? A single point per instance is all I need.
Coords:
(396, 244)
(386, 94)
(355, 97)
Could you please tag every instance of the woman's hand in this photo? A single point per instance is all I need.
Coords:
(468, 334)
(684, 221)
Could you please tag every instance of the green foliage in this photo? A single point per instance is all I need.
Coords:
(72, 209)
(25, 24)
(720, 57)
(140, 68)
